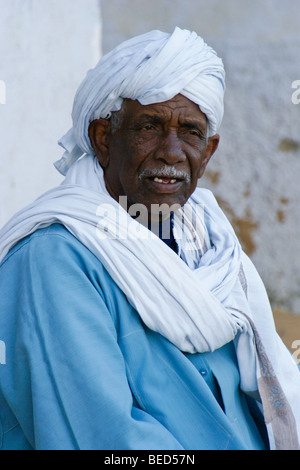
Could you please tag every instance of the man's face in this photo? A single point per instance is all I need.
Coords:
(158, 153)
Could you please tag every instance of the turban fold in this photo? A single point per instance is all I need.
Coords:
(150, 68)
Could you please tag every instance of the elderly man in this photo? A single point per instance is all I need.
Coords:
(130, 315)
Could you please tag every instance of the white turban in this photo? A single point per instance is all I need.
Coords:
(150, 68)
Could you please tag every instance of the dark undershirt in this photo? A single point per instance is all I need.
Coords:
(164, 231)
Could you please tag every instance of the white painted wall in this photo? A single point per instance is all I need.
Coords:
(256, 171)
(46, 48)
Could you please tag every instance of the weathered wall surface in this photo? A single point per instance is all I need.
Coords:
(256, 170)
(46, 47)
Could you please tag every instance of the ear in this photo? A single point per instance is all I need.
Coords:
(99, 133)
(212, 145)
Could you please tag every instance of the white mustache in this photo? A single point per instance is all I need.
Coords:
(165, 172)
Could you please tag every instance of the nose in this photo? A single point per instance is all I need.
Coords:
(170, 149)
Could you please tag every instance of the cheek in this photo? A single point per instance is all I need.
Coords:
(137, 154)
(141, 147)
(197, 164)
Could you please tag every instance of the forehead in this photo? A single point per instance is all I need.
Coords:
(177, 108)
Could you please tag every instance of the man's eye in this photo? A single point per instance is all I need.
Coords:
(148, 127)
(195, 132)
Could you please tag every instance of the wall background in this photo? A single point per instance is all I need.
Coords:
(46, 47)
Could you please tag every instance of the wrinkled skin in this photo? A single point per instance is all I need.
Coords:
(170, 134)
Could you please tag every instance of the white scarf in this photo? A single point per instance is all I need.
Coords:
(197, 302)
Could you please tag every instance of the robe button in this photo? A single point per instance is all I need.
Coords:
(203, 372)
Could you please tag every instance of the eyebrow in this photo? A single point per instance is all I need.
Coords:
(192, 124)
(158, 119)
(153, 118)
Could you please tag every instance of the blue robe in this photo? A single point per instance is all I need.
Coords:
(82, 371)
